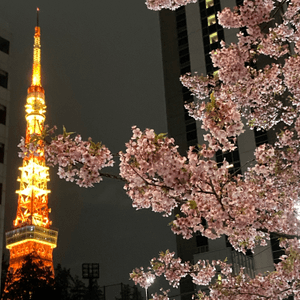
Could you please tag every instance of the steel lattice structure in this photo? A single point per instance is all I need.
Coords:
(31, 233)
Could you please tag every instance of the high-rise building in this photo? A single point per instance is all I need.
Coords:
(5, 38)
(31, 233)
(188, 35)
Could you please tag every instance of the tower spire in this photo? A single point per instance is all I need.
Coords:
(36, 67)
(31, 233)
(37, 16)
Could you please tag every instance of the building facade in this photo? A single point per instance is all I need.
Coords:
(188, 35)
(5, 43)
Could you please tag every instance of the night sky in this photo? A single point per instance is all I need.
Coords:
(102, 73)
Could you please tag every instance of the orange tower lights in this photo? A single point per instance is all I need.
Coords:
(31, 233)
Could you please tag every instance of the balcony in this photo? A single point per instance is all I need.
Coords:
(31, 233)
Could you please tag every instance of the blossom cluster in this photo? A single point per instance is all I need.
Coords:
(77, 160)
(224, 283)
(144, 279)
(173, 269)
(211, 201)
(245, 209)
(259, 93)
(150, 165)
(280, 284)
(221, 119)
(250, 14)
(167, 4)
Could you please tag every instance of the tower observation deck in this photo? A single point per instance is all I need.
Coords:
(31, 233)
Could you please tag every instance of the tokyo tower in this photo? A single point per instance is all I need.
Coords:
(31, 233)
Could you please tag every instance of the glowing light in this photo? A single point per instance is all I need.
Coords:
(36, 70)
(34, 173)
(44, 252)
(209, 3)
(211, 20)
(31, 233)
(213, 38)
(149, 280)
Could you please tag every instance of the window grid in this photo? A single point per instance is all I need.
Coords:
(185, 67)
(277, 251)
(233, 158)
(212, 32)
(261, 137)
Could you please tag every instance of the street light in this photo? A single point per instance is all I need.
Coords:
(149, 280)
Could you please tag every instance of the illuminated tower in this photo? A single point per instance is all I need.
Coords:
(31, 233)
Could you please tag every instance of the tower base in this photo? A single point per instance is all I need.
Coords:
(38, 250)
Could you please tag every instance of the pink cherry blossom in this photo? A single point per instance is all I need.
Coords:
(167, 4)
(247, 208)
(78, 160)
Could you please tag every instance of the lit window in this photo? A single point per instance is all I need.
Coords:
(213, 38)
(209, 3)
(211, 20)
(216, 73)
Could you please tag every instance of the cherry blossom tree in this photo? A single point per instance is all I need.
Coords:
(247, 208)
